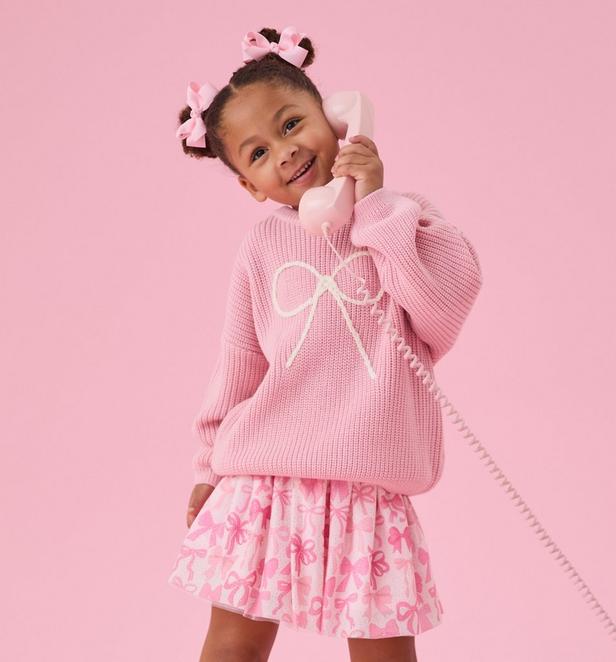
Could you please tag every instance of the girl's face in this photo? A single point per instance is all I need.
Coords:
(269, 143)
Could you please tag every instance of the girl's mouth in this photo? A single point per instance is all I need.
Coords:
(306, 176)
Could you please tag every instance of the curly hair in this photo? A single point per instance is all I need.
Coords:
(269, 69)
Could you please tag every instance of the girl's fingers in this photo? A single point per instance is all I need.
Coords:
(355, 160)
(365, 141)
(356, 148)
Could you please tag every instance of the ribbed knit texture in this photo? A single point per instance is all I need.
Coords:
(306, 382)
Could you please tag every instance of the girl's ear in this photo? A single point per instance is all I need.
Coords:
(256, 194)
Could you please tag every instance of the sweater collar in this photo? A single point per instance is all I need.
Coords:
(288, 214)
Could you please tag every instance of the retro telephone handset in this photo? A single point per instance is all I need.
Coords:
(324, 209)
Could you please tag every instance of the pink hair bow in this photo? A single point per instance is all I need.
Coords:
(198, 97)
(255, 46)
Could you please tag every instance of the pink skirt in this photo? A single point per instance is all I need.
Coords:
(338, 558)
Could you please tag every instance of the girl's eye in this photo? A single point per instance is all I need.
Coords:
(256, 150)
(296, 119)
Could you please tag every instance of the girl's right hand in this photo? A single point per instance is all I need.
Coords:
(198, 497)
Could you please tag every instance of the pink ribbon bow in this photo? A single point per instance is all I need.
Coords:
(390, 630)
(347, 568)
(255, 46)
(396, 536)
(198, 97)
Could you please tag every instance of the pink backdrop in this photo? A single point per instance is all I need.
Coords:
(116, 250)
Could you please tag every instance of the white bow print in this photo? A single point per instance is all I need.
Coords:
(325, 283)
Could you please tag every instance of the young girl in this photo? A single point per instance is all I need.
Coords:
(314, 430)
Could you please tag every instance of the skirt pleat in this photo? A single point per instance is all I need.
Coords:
(334, 557)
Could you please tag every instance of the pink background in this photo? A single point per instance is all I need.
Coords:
(116, 250)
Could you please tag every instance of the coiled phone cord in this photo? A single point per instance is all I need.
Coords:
(505, 483)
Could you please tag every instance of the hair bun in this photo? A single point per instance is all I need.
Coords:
(273, 35)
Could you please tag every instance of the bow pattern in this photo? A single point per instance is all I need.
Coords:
(325, 283)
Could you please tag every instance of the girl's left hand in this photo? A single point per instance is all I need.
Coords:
(361, 161)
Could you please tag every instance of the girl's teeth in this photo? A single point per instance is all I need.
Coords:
(303, 171)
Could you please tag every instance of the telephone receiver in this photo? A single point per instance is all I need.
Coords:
(349, 113)
(324, 209)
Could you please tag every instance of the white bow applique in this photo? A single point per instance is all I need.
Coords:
(325, 283)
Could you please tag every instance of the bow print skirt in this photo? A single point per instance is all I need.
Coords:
(337, 558)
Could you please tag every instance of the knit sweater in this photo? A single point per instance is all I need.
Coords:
(306, 382)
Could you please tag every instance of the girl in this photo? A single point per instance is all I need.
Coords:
(314, 432)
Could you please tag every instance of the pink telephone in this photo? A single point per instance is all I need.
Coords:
(349, 113)
(324, 209)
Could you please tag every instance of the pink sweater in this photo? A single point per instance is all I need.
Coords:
(306, 382)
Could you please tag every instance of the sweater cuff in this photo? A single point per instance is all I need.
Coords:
(380, 204)
(206, 476)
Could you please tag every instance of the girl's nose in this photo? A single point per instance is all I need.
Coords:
(287, 154)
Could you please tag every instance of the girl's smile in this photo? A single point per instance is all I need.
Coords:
(307, 175)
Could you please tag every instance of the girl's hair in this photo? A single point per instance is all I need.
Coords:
(270, 69)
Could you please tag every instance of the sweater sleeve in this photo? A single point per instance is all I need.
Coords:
(239, 369)
(424, 263)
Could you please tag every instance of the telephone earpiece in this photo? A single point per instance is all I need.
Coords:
(349, 113)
